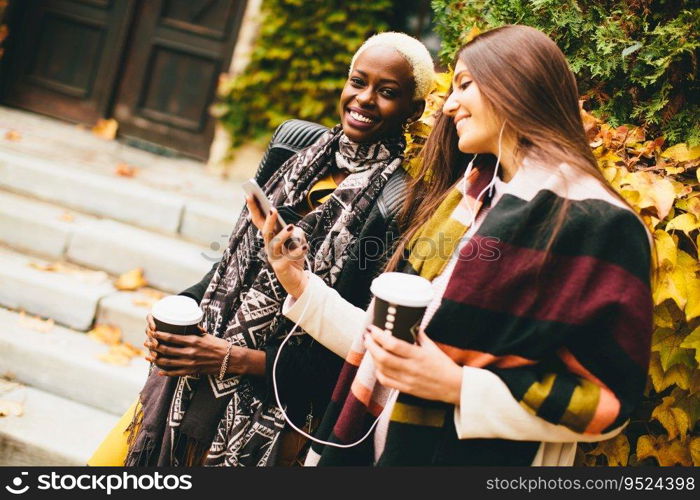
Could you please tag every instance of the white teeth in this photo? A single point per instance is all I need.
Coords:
(360, 118)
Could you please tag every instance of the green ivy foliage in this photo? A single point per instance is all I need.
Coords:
(299, 64)
(635, 60)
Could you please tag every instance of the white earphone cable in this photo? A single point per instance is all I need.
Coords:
(277, 396)
(493, 179)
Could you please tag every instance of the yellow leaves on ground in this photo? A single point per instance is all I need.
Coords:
(685, 222)
(106, 129)
(119, 353)
(106, 334)
(66, 217)
(35, 323)
(648, 192)
(131, 280)
(83, 275)
(666, 452)
(52, 267)
(13, 135)
(677, 276)
(616, 450)
(146, 297)
(682, 153)
(125, 170)
(666, 249)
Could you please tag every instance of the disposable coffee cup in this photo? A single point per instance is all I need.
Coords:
(177, 314)
(400, 301)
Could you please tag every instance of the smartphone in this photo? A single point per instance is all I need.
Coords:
(252, 188)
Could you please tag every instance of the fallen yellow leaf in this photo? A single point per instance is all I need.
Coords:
(13, 135)
(106, 129)
(120, 354)
(131, 280)
(681, 152)
(685, 222)
(112, 358)
(125, 170)
(107, 334)
(147, 297)
(67, 217)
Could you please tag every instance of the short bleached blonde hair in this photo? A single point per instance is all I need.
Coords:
(412, 50)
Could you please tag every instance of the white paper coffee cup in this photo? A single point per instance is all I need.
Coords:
(177, 314)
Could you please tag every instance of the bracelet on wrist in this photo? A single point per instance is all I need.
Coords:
(224, 363)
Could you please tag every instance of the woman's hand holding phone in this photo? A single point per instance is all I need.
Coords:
(285, 249)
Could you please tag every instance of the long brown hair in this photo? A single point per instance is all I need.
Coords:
(524, 78)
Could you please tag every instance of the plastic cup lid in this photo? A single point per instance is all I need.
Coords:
(403, 289)
(177, 310)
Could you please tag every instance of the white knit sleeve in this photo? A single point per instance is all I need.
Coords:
(326, 316)
(488, 409)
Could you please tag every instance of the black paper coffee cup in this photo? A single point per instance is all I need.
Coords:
(177, 314)
(400, 301)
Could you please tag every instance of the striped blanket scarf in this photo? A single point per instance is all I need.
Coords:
(567, 330)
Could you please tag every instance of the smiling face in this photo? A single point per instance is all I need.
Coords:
(477, 125)
(378, 96)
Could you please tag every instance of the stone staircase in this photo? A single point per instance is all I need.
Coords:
(69, 225)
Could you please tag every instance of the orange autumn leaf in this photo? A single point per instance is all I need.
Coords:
(131, 280)
(106, 129)
(147, 297)
(66, 217)
(114, 358)
(120, 354)
(125, 170)
(107, 334)
(13, 135)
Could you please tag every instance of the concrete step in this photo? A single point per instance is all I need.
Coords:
(69, 296)
(49, 230)
(124, 199)
(128, 311)
(169, 263)
(113, 197)
(52, 431)
(65, 362)
(34, 226)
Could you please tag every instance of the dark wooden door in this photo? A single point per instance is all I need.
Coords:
(64, 56)
(177, 52)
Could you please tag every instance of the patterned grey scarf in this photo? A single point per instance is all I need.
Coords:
(201, 420)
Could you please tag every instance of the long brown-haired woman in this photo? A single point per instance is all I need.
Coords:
(539, 331)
